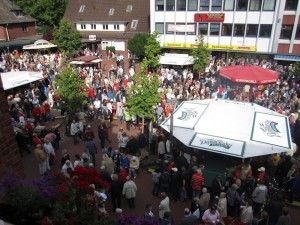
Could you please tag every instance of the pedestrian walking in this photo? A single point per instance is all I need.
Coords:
(129, 191)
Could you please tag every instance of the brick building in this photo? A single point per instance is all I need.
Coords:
(16, 28)
(10, 158)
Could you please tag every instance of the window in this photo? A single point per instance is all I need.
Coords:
(297, 37)
(168, 30)
(134, 24)
(104, 44)
(255, 5)
(204, 5)
(116, 27)
(252, 30)
(291, 5)
(93, 26)
(105, 26)
(216, 5)
(129, 8)
(159, 5)
(192, 5)
(239, 30)
(159, 27)
(81, 9)
(24, 28)
(241, 5)
(18, 13)
(228, 5)
(286, 32)
(83, 27)
(194, 26)
(111, 11)
(181, 5)
(265, 30)
(170, 5)
(202, 28)
(214, 29)
(269, 5)
(226, 29)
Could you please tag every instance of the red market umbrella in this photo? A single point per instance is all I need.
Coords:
(249, 74)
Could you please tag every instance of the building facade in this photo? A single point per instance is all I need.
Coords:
(243, 26)
(105, 23)
(16, 28)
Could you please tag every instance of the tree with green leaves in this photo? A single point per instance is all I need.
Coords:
(136, 45)
(152, 51)
(201, 55)
(49, 13)
(67, 39)
(296, 70)
(144, 95)
(70, 90)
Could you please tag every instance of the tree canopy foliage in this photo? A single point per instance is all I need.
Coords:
(67, 39)
(70, 90)
(201, 55)
(48, 12)
(136, 45)
(152, 51)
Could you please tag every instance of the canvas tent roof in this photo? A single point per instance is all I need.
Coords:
(232, 128)
(17, 78)
(39, 44)
(176, 59)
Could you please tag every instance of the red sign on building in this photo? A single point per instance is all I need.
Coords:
(209, 17)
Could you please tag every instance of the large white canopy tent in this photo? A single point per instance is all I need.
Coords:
(231, 128)
(176, 59)
(17, 78)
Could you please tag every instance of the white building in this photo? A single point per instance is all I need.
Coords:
(250, 26)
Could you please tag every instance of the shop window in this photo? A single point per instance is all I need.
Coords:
(241, 5)
(265, 30)
(239, 30)
(291, 5)
(286, 32)
(181, 5)
(226, 29)
(159, 5)
(297, 37)
(216, 5)
(228, 5)
(202, 28)
(170, 5)
(255, 5)
(159, 27)
(204, 5)
(269, 5)
(192, 5)
(252, 30)
(215, 29)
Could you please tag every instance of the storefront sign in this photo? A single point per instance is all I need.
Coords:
(209, 17)
(213, 47)
(92, 37)
(189, 28)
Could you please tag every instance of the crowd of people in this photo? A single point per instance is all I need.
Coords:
(247, 186)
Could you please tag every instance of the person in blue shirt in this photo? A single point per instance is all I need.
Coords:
(124, 161)
(92, 148)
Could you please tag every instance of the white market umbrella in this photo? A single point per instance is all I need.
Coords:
(17, 78)
(231, 128)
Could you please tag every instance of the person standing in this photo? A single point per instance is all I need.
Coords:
(222, 205)
(189, 218)
(41, 157)
(74, 131)
(285, 218)
(134, 166)
(142, 145)
(197, 182)
(164, 205)
(258, 196)
(175, 184)
(129, 191)
(247, 213)
(116, 188)
(49, 150)
(92, 148)
(101, 135)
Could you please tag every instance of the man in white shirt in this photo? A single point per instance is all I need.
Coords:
(49, 150)
(97, 106)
